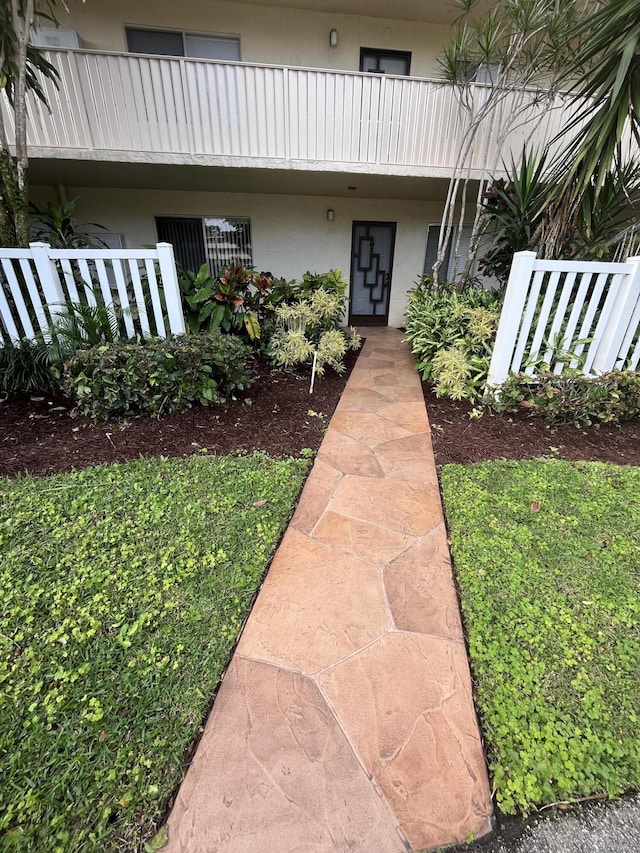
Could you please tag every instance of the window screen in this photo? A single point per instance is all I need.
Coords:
(187, 238)
(447, 270)
(215, 240)
(228, 243)
(212, 47)
(159, 42)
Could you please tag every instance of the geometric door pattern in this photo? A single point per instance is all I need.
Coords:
(371, 262)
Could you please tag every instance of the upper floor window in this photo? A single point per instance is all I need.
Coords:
(385, 61)
(169, 43)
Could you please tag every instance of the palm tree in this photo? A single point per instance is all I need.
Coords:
(22, 67)
(606, 67)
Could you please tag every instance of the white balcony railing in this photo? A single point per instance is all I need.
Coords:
(133, 107)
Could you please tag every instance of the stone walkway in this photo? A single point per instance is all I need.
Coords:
(345, 720)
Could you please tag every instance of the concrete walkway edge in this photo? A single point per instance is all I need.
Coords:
(346, 719)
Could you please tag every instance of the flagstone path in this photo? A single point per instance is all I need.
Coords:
(345, 720)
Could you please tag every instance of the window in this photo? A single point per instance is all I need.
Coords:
(431, 253)
(385, 61)
(220, 241)
(168, 43)
(447, 271)
(486, 72)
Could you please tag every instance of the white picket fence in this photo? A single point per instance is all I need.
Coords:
(551, 308)
(137, 286)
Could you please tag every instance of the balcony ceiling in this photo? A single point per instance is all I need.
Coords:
(208, 179)
(438, 11)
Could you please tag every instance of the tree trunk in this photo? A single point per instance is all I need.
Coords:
(22, 27)
(7, 190)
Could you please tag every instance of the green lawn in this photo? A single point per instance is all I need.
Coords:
(122, 590)
(547, 557)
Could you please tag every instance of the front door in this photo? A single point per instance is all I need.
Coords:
(371, 262)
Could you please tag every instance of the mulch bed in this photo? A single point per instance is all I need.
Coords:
(459, 438)
(277, 416)
(38, 436)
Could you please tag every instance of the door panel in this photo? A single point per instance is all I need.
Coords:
(372, 249)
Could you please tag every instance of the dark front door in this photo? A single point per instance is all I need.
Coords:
(371, 262)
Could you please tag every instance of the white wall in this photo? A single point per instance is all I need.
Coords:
(290, 234)
(270, 35)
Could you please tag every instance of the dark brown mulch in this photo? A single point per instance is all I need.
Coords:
(459, 438)
(282, 418)
(39, 436)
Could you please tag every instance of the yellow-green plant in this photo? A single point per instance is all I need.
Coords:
(308, 330)
(451, 337)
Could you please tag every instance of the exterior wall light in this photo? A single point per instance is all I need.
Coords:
(330, 214)
(333, 38)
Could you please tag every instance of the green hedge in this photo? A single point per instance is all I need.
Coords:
(451, 336)
(156, 376)
(581, 400)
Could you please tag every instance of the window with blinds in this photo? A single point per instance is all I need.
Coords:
(431, 253)
(447, 270)
(220, 241)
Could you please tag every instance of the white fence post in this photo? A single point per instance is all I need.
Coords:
(169, 275)
(510, 317)
(49, 279)
(618, 322)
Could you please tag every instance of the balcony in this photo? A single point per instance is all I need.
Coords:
(150, 109)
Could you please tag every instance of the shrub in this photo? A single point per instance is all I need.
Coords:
(235, 302)
(28, 367)
(310, 327)
(156, 375)
(578, 399)
(80, 326)
(451, 336)
(245, 302)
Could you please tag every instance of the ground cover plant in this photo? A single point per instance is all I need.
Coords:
(546, 556)
(123, 590)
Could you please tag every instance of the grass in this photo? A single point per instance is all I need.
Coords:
(547, 557)
(122, 589)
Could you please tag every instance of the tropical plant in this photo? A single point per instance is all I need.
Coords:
(308, 330)
(572, 397)
(28, 367)
(513, 207)
(57, 225)
(606, 70)
(451, 336)
(518, 50)
(236, 301)
(331, 281)
(520, 214)
(156, 375)
(80, 326)
(22, 66)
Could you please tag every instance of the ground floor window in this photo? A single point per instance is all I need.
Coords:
(220, 241)
(448, 269)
